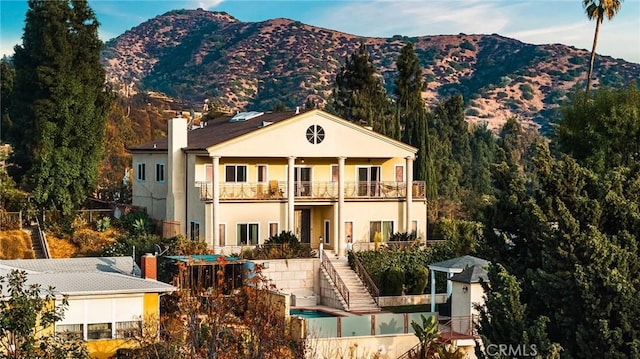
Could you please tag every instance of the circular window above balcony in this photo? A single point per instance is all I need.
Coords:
(315, 134)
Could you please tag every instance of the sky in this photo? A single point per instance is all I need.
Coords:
(530, 21)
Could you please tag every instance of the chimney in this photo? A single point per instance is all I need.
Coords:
(149, 266)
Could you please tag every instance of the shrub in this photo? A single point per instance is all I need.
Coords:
(103, 224)
(416, 280)
(393, 281)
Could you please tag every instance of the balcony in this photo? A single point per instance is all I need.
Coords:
(317, 190)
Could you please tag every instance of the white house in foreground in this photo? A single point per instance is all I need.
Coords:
(109, 297)
(239, 179)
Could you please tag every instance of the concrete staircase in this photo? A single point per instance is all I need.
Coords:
(360, 299)
(36, 245)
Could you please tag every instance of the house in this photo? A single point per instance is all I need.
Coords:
(237, 180)
(108, 300)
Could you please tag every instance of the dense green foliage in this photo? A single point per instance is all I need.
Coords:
(601, 130)
(59, 103)
(26, 313)
(571, 238)
(359, 95)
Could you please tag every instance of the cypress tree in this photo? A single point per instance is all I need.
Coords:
(412, 112)
(60, 103)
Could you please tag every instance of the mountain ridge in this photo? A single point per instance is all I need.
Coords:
(196, 54)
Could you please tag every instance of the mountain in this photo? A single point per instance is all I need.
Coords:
(191, 55)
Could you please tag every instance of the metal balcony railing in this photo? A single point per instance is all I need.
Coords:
(315, 190)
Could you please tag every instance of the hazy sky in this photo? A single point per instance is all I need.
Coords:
(531, 21)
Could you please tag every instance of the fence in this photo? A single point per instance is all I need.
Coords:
(10, 220)
(363, 325)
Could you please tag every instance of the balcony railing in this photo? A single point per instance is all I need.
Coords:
(275, 190)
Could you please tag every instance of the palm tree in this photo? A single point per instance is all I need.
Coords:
(598, 9)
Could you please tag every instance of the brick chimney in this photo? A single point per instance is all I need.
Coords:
(149, 266)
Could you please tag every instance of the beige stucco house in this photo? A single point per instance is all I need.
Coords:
(236, 180)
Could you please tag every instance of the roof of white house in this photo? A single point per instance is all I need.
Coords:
(224, 130)
(86, 276)
(123, 265)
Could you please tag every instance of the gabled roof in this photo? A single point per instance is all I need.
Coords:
(457, 265)
(472, 274)
(122, 265)
(223, 132)
(217, 131)
(86, 276)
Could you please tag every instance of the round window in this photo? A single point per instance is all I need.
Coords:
(315, 134)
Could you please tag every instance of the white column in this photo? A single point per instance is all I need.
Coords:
(215, 205)
(290, 193)
(409, 194)
(340, 242)
(449, 284)
(433, 290)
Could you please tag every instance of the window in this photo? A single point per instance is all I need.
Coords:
(208, 173)
(247, 233)
(222, 228)
(70, 331)
(327, 231)
(273, 228)
(399, 173)
(140, 174)
(384, 228)
(235, 173)
(262, 173)
(414, 227)
(99, 331)
(315, 134)
(195, 231)
(130, 329)
(159, 172)
(335, 173)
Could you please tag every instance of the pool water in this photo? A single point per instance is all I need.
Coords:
(310, 313)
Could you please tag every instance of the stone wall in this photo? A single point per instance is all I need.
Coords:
(295, 276)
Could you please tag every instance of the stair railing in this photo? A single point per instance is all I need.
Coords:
(366, 280)
(333, 274)
(42, 239)
(412, 353)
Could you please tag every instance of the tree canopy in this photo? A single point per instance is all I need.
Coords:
(59, 103)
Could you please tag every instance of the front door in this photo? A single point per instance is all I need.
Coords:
(302, 222)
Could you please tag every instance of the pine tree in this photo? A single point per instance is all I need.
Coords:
(359, 95)
(60, 103)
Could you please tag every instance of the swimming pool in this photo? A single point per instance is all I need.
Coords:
(311, 313)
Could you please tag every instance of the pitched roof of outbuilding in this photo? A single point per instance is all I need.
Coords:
(472, 274)
(457, 265)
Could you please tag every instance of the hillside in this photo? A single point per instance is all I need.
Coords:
(191, 55)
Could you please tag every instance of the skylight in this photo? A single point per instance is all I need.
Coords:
(244, 116)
